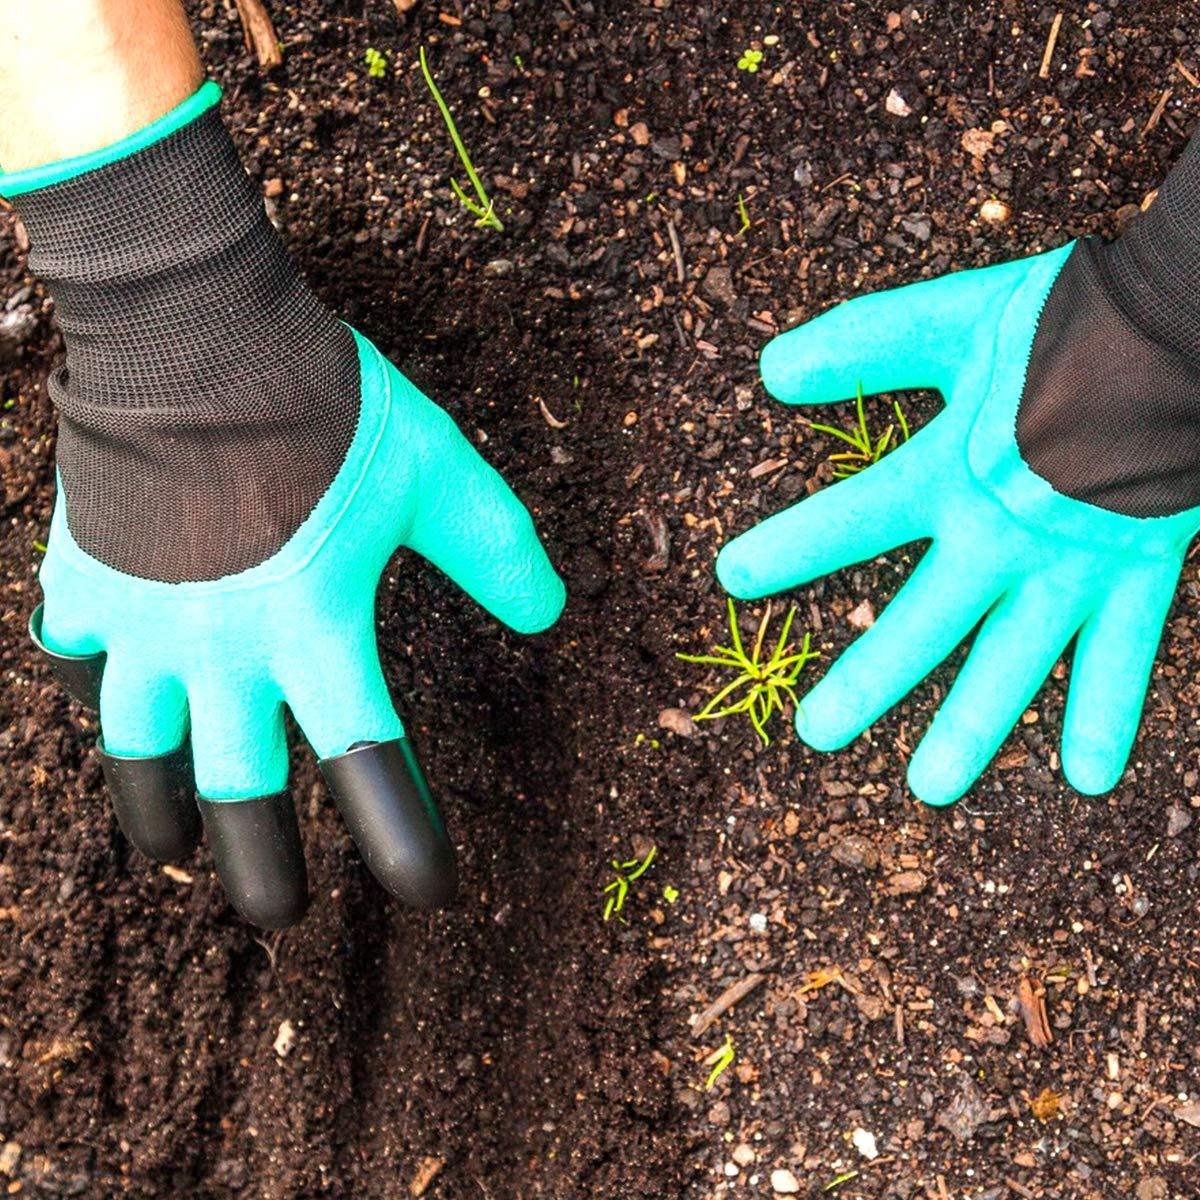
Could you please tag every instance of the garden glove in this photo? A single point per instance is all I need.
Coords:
(1059, 487)
(235, 470)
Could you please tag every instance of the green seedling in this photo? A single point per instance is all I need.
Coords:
(40, 547)
(670, 894)
(627, 873)
(376, 63)
(750, 60)
(836, 1183)
(864, 449)
(743, 215)
(721, 1061)
(485, 208)
(763, 685)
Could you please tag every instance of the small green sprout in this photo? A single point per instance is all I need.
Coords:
(834, 1183)
(40, 547)
(721, 1060)
(670, 894)
(865, 450)
(485, 209)
(750, 60)
(765, 683)
(626, 873)
(743, 215)
(376, 63)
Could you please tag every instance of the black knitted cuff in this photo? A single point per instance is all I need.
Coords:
(208, 399)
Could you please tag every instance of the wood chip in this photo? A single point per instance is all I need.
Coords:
(1156, 115)
(176, 873)
(677, 250)
(551, 419)
(725, 1001)
(1044, 69)
(1031, 996)
(260, 33)
(1188, 75)
(767, 468)
(1019, 1188)
(403, 6)
(429, 1169)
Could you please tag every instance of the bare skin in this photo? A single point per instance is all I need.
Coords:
(78, 75)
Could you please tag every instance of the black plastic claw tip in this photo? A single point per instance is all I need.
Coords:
(256, 846)
(385, 802)
(155, 801)
(78, 673)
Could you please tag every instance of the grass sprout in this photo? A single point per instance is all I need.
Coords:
(627, 873)
(743, 215)
(864, 449)
(759, 687)
(720, 1060)
(484, 208)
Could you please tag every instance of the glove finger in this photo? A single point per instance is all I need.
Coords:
(1114, 655)
(240, 752)
(1014, 652)
(932, 613)
(472, 527)
(852, 521)
(146, 758)
(373, 775)
(908, 337)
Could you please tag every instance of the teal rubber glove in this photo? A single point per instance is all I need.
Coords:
(1037, 567)
(236, 469)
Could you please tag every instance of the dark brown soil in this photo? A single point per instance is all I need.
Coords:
(517, 1045)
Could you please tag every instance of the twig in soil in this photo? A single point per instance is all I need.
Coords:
(725, 1001)
(260, 33)
(1156, 115)
(1188, 75)
(677, 250)
(485, 209)
(1056, 25)
(1019, 1188)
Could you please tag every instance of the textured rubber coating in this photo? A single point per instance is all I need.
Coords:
(385, 802)
(79, 674)
(256, 847)
(155, 801)
(208, 399)
(1012, 563)
(1110, 410)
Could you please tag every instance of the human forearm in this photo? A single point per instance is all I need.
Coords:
(76, 75)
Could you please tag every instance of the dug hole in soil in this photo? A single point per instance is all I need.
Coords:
(602, 353)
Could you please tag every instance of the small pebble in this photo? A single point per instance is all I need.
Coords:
(995, 212)
(784, 1183)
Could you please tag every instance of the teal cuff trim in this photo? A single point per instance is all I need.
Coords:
(18, 183)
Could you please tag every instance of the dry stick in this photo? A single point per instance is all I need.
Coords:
(1019, 1188)
(678, 251)
(1158, 111)
(260, 33)
(726, 1000)
(1044, 70)
(1186, 73)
